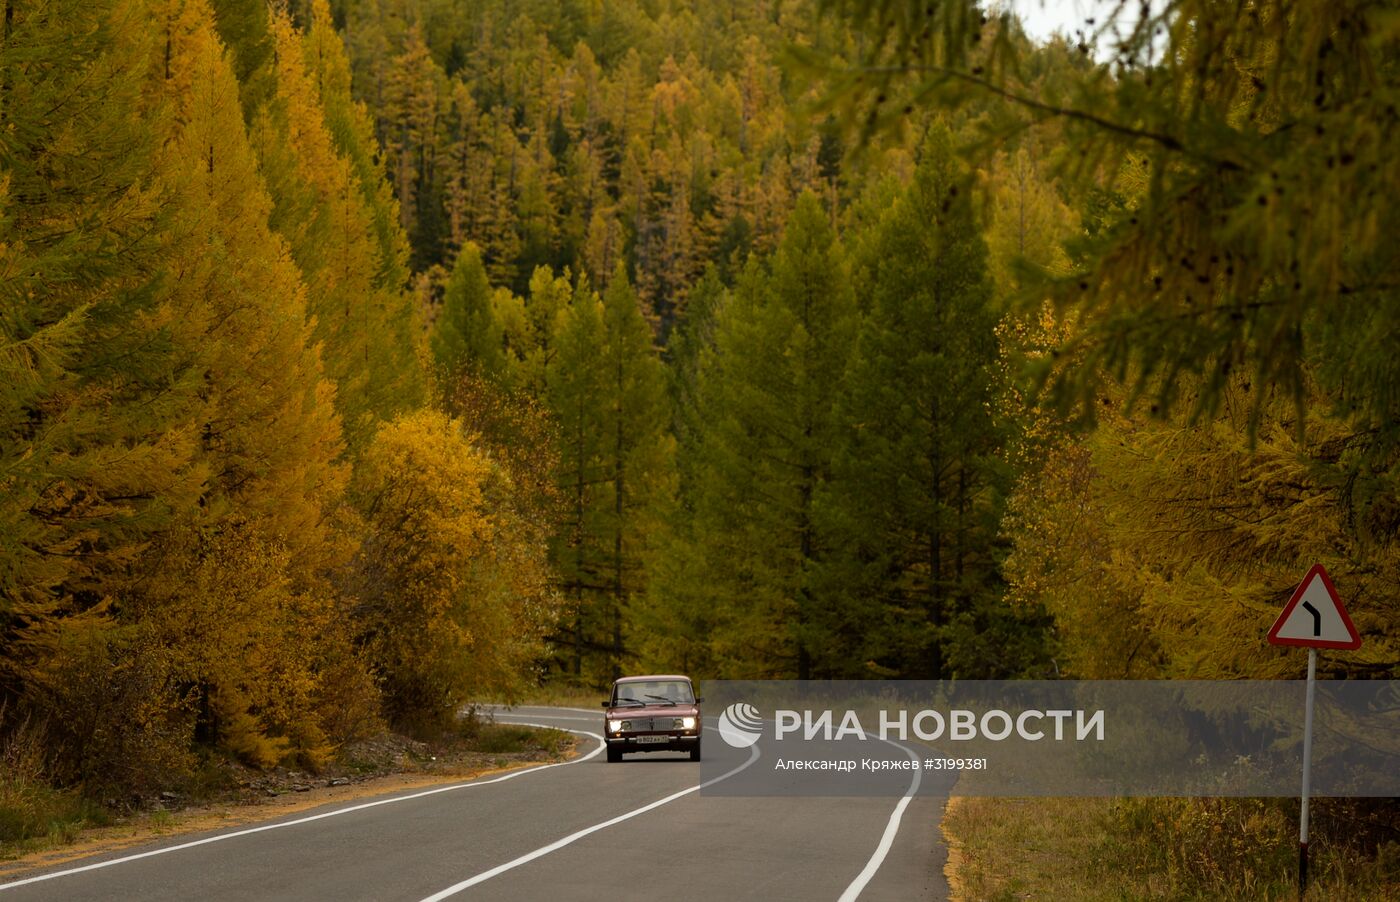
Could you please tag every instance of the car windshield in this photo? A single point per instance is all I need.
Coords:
(654, 692)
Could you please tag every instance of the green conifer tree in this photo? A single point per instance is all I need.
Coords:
(768, 429)
(920, 479)
(466, 337)
(607, 392)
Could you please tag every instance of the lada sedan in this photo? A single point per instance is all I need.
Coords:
(658, 713)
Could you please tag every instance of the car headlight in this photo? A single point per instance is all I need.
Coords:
(615, 726)
(687, 723)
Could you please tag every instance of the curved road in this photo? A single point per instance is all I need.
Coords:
(582, 829)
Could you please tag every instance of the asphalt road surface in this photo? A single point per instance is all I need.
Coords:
(583, 829)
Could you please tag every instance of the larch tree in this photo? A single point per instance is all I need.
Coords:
(367, 329)
(98, 437)
(410, 113)
(1257, 141)
(466, 337)
(352, 129)
(531, 325)
(268, 434)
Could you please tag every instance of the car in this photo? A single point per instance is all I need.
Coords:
(655, 713)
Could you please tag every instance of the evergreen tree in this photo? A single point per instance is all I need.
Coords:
(637, 448)
(607, 392)
(579, 549)
(694, 337)
(466, 338)
(920, 482)
(767, 396)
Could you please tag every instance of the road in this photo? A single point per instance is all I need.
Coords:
(583, 829)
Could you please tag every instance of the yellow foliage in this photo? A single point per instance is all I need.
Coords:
(251, 642)
(1166, 550)
(453, 591)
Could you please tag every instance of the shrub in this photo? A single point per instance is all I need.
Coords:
(119, 726)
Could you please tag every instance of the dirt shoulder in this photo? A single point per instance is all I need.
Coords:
(386, 765)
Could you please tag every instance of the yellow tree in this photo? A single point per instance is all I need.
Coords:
(453, 596)
(254, 634)
(367, 329)
(352, 129)
(411, 112)
(99, 384)
(269, 419)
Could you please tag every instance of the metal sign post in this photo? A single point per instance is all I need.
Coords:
(1313, 618)
(1307, 773)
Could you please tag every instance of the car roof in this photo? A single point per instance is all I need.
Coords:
(654, 676)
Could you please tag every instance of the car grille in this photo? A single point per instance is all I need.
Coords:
(651, 724)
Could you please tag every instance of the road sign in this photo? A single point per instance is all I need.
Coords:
(1315, 617)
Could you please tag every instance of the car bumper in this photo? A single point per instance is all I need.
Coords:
(670, 742)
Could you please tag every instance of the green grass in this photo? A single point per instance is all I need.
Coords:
(160, 821)
(1096, 850)
(562, 696)
(500, 738)
(36, 816)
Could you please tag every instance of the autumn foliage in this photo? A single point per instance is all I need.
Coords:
(230, 522)
(359, 360)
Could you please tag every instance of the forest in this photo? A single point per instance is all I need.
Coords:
(363, 358)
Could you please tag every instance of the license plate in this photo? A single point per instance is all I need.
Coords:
(652, 739)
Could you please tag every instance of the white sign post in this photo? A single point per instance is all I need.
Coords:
(1313, 618)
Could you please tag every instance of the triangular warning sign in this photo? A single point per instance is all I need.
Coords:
(1315, 616)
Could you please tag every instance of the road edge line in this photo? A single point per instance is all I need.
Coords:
(867, 873)
(316, 817)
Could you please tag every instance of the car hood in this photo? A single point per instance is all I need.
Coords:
(680, 710)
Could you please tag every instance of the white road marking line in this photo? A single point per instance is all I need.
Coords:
(886, 839)
(574, 837)
(852, 892)
(510, 708)
(316, 817)
(498, 715)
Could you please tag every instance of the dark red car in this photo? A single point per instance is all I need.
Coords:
(658, 713)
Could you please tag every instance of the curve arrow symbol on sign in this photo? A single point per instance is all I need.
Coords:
(1317, 617)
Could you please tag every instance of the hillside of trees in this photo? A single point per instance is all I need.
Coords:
(362, 358)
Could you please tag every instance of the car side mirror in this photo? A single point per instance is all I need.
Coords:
(607, 704)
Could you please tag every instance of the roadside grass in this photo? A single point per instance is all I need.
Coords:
(478, 735)
(33, 814)
(561, 696)
(1232, 850)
